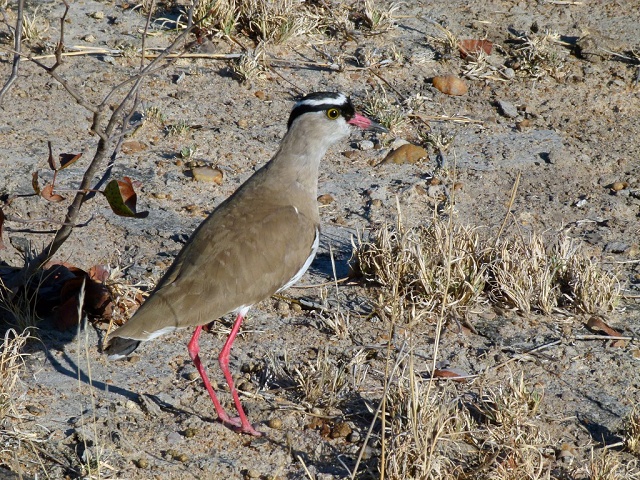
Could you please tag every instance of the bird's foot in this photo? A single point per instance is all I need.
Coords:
(235, 424)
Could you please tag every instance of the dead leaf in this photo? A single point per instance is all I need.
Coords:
(406, 153)
(52, 161)
(470, 47)
(597, 325)
(99, 273)
(47, 194)
(448, 373)
(67, 159)
(122, 198)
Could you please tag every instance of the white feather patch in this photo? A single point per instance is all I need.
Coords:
(307, 264)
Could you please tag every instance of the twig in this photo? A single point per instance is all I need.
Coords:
(445, 118)
(17, 45)
(532, 350)
(604, 337)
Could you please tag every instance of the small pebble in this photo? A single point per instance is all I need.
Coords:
(245, 386)
(208, 174)
(617, 186)
(353, 437)
(193, 376)
(243, 123)
(33, 410)
(283, 307)
(173, 438)
(325, 199)
(365, 145)
(99, 15)
(507, 109)
(134, 359)
(406, 153)
(316, 411)
(274, 423)
(508, 73)
(450, 85)
(89, 38)
(252, 473)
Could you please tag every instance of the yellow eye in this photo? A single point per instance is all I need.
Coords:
(333, 113)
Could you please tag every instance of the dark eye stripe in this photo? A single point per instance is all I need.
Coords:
(320, 102)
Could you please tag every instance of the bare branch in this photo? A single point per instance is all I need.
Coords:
(17, 45)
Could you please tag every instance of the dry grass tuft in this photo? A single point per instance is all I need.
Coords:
(274, 21)
(433, 435)
(528, 275)
(631, 431)
(448, 264)
(536, 55)
(11, 364)
(325, 382)
(18, 309)
(608, 465)
(509, 440)
(11, 361)
(425, 432)
(427, 266)
(378, 105)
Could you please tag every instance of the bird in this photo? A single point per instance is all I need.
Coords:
(256, 243)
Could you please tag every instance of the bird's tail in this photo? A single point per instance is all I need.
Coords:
(119, 347)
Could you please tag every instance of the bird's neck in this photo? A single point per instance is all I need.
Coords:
(298, 159)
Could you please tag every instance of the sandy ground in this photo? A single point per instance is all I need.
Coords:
(150, 418)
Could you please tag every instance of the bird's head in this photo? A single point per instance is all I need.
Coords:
(330, 114)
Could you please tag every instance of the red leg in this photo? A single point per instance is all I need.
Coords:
(223, 359)
(194, 349)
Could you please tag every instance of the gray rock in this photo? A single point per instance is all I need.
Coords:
(507, 109)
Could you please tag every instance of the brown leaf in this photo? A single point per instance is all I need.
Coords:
(52, 161)
(47, 194)
(597, 325)
(122, 198)
(99, 273)
(448, 373)
(67, 159)
(469, 47)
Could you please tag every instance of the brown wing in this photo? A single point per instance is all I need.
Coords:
(235, 258)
